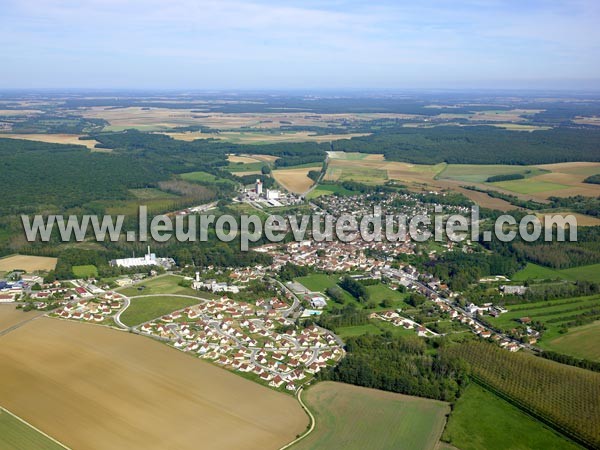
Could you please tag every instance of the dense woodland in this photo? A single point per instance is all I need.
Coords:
(479, 145)
(400, 364)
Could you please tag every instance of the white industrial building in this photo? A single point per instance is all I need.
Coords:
(148, 259)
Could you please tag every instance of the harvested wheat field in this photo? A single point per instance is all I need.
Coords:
(295, 180)
(11, 316)
(28, 263)
(91, 387)
(242, 159)
(72, 139)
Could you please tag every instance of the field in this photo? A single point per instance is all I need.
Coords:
(590, 273)
(295, 180)
(93, 387)
(27, 263)
(582, 219)
(581, 342)
(532, 271)
(561, 395)
(258, 137)
(480, 421)
(142, 309)
(16, 435)
(352, 417)
(56, 139)
(319, 282)
(328, 189)
(530, 186)
(554, 314)
(88, 271)
(536, 272)
(151, 194)
(479, 173)
(162, 119)
(10, 316)
(165, 284)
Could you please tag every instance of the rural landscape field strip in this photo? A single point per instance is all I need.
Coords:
(93, 387)
(563, 396)
(482, 421)
(353, 417)
(15, 433)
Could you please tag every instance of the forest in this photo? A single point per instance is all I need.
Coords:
(400, 364)
(478, 145)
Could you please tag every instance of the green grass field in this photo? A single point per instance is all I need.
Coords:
(379, 292)
(479, 173)
(245, 167)
(536, 272)
(366, 175)
(166, 284)
(328, 189)
(16, 435)
(204, 177)
(319, 282)
(357, 330)
(150, 193)
(89, 271)
(143, 309)
(581, 342)
(529, 186)
(590, 273)
(482, 421)
(351, 417)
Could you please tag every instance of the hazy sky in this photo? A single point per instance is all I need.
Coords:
(184, 44)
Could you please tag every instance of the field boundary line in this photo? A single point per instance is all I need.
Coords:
(34, 428)
(561, 430)
(311, 417)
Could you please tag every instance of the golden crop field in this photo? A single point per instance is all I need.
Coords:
(242, 159)
(92, 387)
(28, 263)
(72, 139)
(295, 180)
(10, 316)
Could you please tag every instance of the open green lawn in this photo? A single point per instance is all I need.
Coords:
(89, 271)
(351, 417)
(166, 284)
(15, 435)
(479, 173)
(581, 342)
(590, 273)
(319, 282)
(357, 330)
(245, 167)
(366, 175)
(328, 189)
(204, 177)
(536, 272)
(529, 186)
(379, 292)
(150, 193)
(482, 421)
(143, 309)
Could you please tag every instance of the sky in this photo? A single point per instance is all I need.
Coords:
(326, 44)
